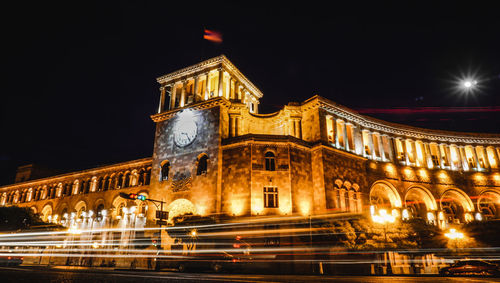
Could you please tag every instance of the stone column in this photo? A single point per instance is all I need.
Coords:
(207, 86)
(232, 125)
(183, 93)
(237, 126)
(342, 199)
(296, 127)
(172, 95)
(195, 94)
(346, 142)
(221, 80)
(229, 94)
(162, 99)
(335, 133)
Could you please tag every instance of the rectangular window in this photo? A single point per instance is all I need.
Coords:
(270, 197)
(387, 147)
(419, 147)
(409, 151)
(491, 157)
(435, 154)
(366, 143)
(469, 154)
(400, 155)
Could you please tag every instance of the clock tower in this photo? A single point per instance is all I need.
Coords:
(194, 117)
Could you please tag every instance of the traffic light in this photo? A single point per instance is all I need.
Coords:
(133, 196)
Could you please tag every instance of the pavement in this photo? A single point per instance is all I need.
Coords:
(76, 274)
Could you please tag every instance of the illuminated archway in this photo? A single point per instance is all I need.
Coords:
(455, 205)
(46, 212)
(419, 201)
(180, 207)
(80, 207)
(488, 204)
(384, 195)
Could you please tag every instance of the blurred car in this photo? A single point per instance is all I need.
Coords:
(215, 262)
(470, 267)
(10, 260)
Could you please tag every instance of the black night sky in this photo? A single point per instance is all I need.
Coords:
(79, 80)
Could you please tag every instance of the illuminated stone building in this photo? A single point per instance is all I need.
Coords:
(215, 154)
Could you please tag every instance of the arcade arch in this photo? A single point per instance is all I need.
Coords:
(46, 212)
(488, 204)
(419, 201)
(456, 206)
(384, 195)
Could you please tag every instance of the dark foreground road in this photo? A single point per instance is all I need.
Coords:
(65, 275)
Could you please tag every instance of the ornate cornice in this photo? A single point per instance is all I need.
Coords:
(384, 127)
(79, 174)
(207, 104)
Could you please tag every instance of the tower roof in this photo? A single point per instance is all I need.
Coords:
(202, 67)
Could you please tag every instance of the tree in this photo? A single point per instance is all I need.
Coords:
(363, 234)
(14, 218)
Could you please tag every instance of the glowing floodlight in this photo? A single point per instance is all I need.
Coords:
(454, 235)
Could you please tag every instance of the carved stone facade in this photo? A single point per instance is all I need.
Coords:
(213, 150)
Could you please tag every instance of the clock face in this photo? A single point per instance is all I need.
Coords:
(185, 132)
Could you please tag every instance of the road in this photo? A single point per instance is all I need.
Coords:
(75, 275)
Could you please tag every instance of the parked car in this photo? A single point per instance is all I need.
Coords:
(10, 260)
(470, 267)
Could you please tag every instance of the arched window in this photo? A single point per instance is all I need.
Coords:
(147, 176)
(106, 183)
(165, 169)
(202, 165)
(270, 161)
(141, 177)
(126, 178)
(100, 184)
(119, 185)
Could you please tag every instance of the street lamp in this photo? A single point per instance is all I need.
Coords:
(454, 236)
(383, 218)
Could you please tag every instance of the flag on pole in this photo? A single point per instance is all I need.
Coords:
(213, 36)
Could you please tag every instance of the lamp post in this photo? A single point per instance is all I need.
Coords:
(454, 236)
(383, 218)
